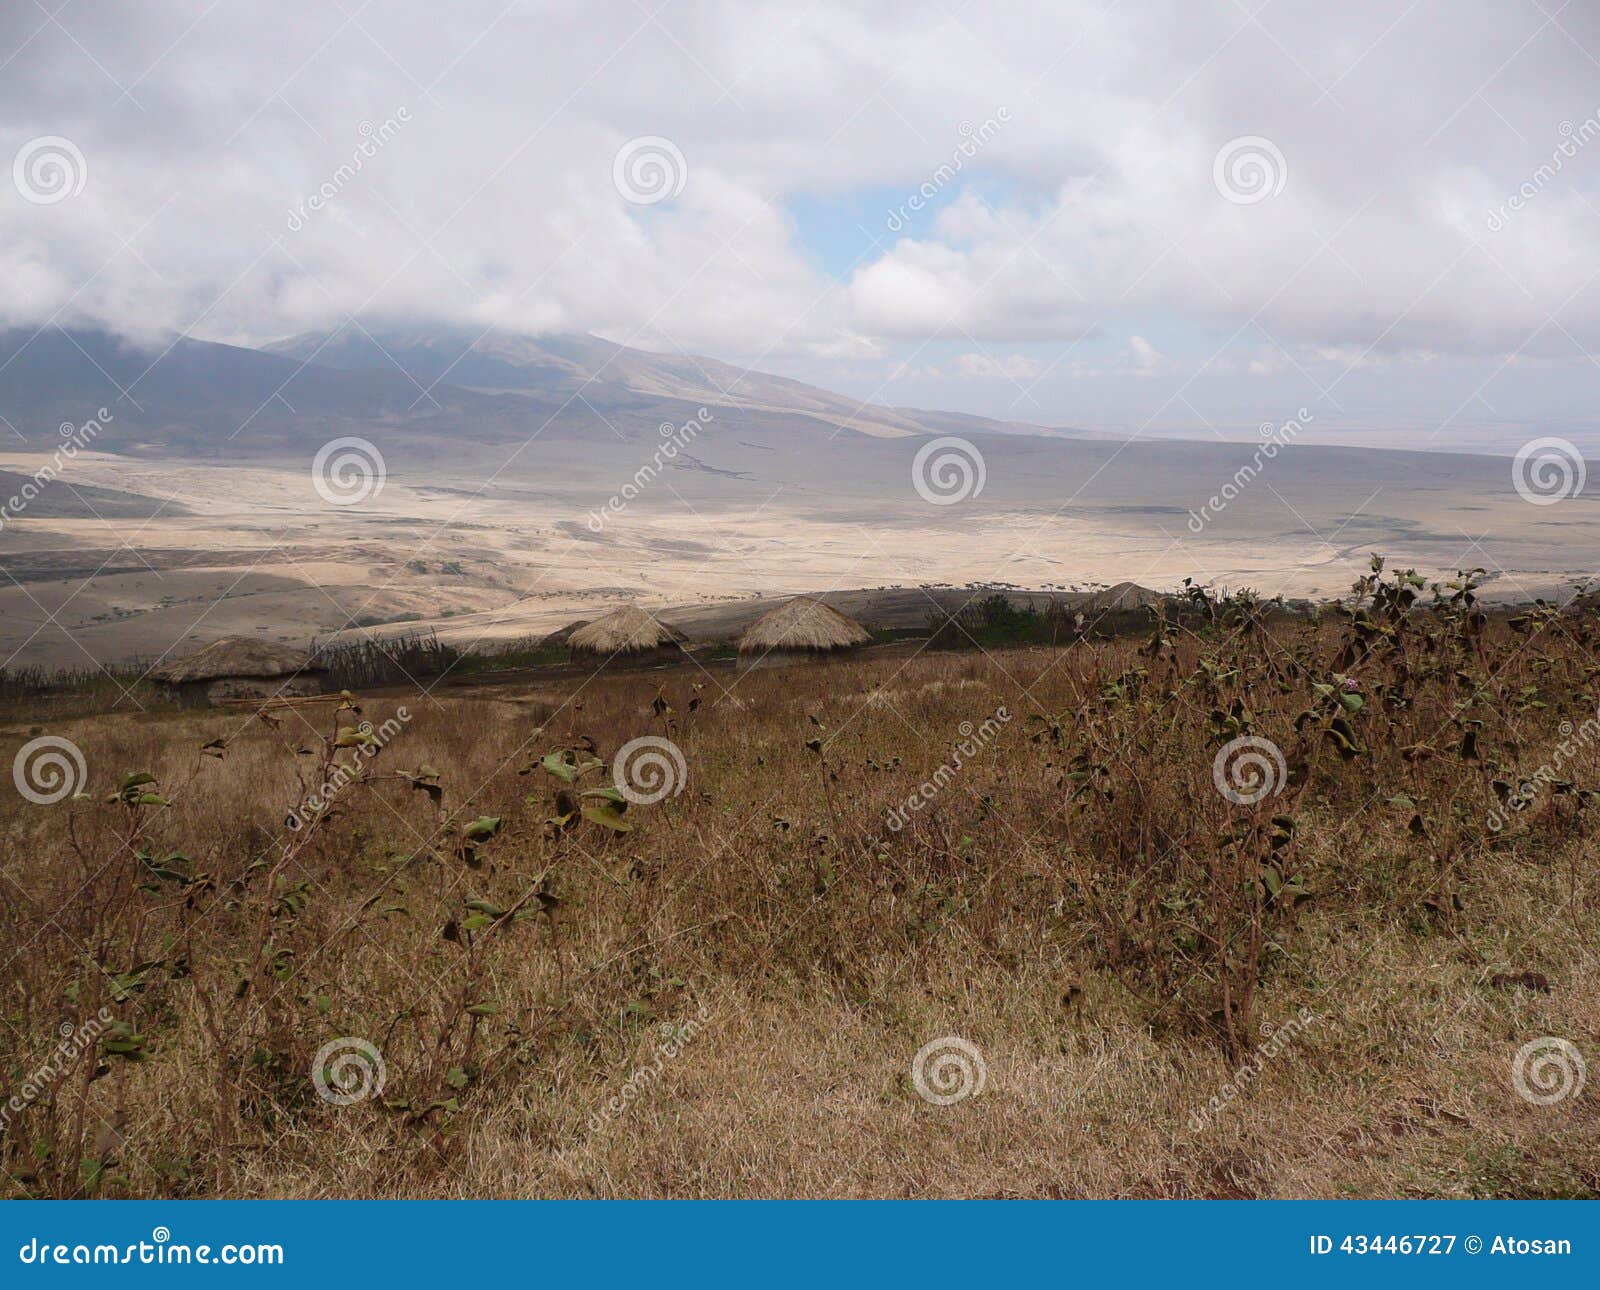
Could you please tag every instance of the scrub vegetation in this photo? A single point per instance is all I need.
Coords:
(1250, 904)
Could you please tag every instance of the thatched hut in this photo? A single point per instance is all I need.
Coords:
(240, 667)
(797, 631)
(626, 635)
(563, 635)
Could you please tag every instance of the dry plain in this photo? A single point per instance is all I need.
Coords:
(490, 545)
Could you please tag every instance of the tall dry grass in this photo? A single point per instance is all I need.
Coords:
(1323, 992)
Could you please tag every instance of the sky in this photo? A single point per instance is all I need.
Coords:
(1136, 217)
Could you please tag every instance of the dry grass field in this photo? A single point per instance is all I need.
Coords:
(1149, 961)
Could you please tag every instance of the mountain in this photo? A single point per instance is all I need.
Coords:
(188, 393)
(452, 385)
(566, 365)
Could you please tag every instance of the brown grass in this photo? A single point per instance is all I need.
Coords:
(1076, 899)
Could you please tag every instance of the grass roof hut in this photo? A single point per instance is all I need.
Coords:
(797, 631)
(240, 667)
(563, 635)
(626, 635)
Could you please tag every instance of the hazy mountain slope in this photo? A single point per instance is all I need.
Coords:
(965, 423)
(566, 364)
(453, 385)
(54, 375)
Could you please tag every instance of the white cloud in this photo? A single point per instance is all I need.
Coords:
(1145, 356)
(1010, 367)
(202, 127)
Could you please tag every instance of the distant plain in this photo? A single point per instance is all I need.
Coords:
(508, 514)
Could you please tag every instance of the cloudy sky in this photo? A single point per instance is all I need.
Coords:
(1142, 216)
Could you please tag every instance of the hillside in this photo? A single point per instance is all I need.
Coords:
(466, 386)
(604, 372)
(1040, 863)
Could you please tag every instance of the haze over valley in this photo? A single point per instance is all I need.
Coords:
(195, 511)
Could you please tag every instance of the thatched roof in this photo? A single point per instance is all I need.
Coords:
(625, 630)
(1125, 595)
(236, 656)
(803, 623)
(562, 635)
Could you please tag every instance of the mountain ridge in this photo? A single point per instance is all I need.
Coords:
(490, 360)
(456, 383)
